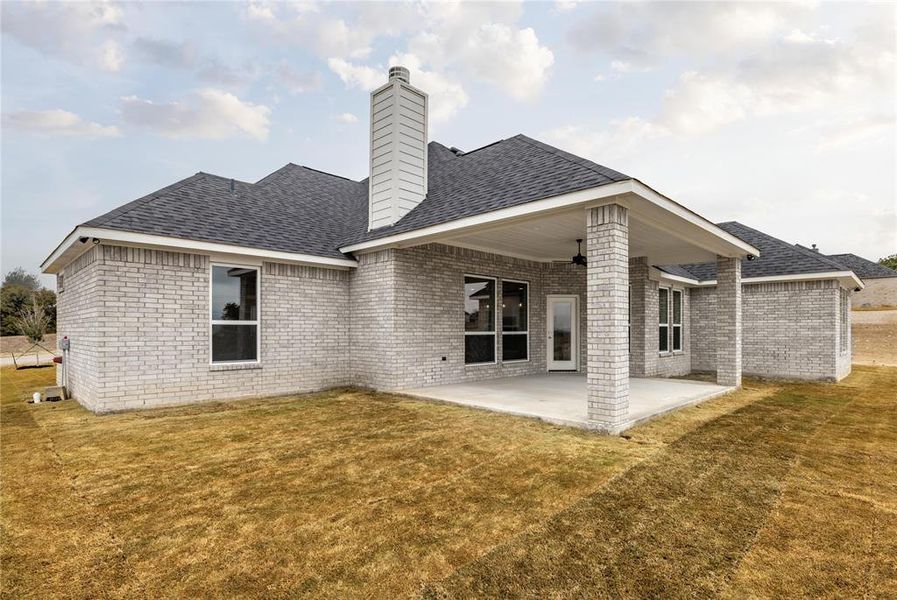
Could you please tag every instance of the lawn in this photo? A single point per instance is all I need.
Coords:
(777, 490)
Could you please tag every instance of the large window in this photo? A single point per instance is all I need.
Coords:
(677, 320)
(514, 320)
(479, 320)
(235, 325)
(663, 302)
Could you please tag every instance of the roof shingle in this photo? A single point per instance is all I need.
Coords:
(777, 257)
(298, 209)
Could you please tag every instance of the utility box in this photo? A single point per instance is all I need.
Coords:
(65, 343)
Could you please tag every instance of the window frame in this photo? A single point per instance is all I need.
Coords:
(258, 315)
(493, 333)
(666, 325)
(504, 333)
(672, 321)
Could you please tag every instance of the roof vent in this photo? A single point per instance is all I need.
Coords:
(400, 73)
(456, 151)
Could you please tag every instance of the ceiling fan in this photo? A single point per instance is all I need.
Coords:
(579, 259)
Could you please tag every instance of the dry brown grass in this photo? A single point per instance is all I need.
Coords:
(791, 495)
(356, 494)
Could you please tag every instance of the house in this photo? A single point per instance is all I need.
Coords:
(881, 282)
(442, 268)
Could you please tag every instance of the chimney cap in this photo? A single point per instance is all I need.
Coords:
(400, 73)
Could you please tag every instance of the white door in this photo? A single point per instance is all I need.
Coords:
(563, 333)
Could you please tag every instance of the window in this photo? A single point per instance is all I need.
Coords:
(663, 302)
(514, 320)
(479, 320)
(677, 320)
(235, 325)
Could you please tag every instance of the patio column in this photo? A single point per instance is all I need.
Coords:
(607, 272)
(643, 345)
(728, 321)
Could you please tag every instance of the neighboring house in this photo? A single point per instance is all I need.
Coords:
(881, 282)
(442, 267)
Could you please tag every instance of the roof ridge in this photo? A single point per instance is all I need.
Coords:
(569, 156)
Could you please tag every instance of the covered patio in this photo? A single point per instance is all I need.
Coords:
(560, 398)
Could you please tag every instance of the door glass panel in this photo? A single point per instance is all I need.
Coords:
(562, 331)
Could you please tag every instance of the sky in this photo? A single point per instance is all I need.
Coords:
(781, 116)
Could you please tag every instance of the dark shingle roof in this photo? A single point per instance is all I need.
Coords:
(865, 269)
(298, 209)
(294, 209)
(504, 174)
(777, 257)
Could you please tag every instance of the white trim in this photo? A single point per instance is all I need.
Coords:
(526, 333)
(494, 332)
(574, 331)
(586, 198)
(673, 324)
(144, 239)
(678, 278)
(844, 275)
(692, 217)
(258, 316)
(669, 322)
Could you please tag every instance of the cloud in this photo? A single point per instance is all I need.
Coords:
(79, 32)
(446, 97)
(357, 76)
(206, 114)
(111, 58)
(511, 59)
(451, 40)
(851, 131)
(347, 118)
(173, 55)
(645, 34)
(622, 138)
(57, 122)
(297, 82)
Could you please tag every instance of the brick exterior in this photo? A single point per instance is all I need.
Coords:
(790, 330)
(702, 311)
(728, 321)
(144, 340)
(77, 316)
(607, 242)
(139, 324)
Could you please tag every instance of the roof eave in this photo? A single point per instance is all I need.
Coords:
(68, 250)
(726, 243)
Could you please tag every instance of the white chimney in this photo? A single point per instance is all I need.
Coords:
(398, 180)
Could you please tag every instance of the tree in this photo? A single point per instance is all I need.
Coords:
(889, 261)
(20, 290)
(32, 322)
(20, 276)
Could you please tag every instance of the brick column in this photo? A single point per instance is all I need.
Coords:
(728, 321)
(607, 246)
(643, 319)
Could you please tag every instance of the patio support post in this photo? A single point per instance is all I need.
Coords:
(607, 272)
(728, 321)
(643, 345)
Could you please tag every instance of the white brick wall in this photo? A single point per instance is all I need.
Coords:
(789, 329)
(138, 321)
(148, 333)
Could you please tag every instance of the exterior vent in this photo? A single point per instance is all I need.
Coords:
(398, 167)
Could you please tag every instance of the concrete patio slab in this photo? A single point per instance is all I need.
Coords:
(560, 398)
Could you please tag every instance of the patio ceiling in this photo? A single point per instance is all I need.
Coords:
(545, 230)
(553, 237)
